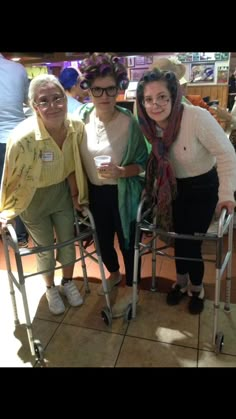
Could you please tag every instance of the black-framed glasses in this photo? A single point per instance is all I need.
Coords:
(161, 100)
(98, 91)
(56, 101)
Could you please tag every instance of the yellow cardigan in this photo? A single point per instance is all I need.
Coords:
(23, 164)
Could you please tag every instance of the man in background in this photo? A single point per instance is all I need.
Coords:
(13, 94)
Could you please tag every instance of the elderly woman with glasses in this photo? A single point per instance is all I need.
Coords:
(191, 172)
(114, 188)
(43, 180)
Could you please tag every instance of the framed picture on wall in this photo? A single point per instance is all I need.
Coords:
(136, 73)
(217, 56)
(196, 56)
(139, 61)
(130, 61)
(224, 56)
(222, 74)
(148, 60)
(202, 73)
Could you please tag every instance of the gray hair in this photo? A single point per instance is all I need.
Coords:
(39, 81)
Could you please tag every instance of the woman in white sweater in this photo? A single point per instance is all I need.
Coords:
(191, 172)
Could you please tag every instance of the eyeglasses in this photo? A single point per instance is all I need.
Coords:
(56, 101)
(161, 100)
(98, 91)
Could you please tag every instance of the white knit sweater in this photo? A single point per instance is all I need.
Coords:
(200, 144)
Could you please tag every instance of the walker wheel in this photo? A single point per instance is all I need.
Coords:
(38, 350)
(128, 313)
(219, 342)
(106, 316)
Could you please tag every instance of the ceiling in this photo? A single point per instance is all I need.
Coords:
(28, 58)
(42, 57)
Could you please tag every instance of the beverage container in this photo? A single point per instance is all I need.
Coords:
(99, 160)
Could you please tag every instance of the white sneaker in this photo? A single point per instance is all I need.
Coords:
(72, 294)
(55, 303)
(111, 283)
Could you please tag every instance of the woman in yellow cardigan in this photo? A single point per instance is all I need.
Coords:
(43, 180)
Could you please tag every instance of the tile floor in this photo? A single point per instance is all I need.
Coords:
(159, 336)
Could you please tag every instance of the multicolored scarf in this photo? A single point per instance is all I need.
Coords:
(161, 185)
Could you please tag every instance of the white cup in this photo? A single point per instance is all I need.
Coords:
(99, 160)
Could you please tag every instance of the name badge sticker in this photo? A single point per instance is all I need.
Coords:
(47, 156)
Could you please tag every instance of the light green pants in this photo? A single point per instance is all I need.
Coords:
(50, 214)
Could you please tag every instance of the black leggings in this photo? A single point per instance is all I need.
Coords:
(193, 211)
(104, 207)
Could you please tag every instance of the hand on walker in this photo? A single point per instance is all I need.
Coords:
(82, 209)
(76, 203)
(4, 222)
(229, 205)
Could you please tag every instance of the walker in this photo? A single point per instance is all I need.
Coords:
(225, 224)
(85, 230)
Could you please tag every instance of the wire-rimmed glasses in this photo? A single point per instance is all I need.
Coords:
(149, 102)
(56, 101)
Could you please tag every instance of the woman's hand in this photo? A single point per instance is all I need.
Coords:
(111, 171)
(76, 203)
(229, 205)
(3, 223)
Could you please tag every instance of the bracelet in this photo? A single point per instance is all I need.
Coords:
(73, 196)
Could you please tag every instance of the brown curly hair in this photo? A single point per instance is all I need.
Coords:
(102, 65)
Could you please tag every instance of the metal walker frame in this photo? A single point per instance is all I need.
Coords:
(221, 263)
(85, 228)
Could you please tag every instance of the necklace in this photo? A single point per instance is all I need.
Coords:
(100, 127)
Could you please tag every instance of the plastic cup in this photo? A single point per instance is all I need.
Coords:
(99, 160)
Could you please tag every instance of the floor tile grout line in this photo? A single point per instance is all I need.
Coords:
(93, 328)
(119, 352)
(161, 341)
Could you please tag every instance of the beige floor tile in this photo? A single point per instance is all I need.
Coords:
(211, 360)
(145, 353)
(226, 324)
(158, 321)
(15, 349)
(79, 347)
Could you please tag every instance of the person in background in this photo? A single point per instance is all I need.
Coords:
(173, 64)
(13, 95)
(114, 197)
(232, 90)
(191, 172)
(229, 117)
(69, 78)
(28, 111)
(43, 181)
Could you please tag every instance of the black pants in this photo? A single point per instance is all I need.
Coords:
(104, 207)
(193, 211)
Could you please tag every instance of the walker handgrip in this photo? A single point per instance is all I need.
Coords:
(223, 221)
(140, 207)
(10, 229)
